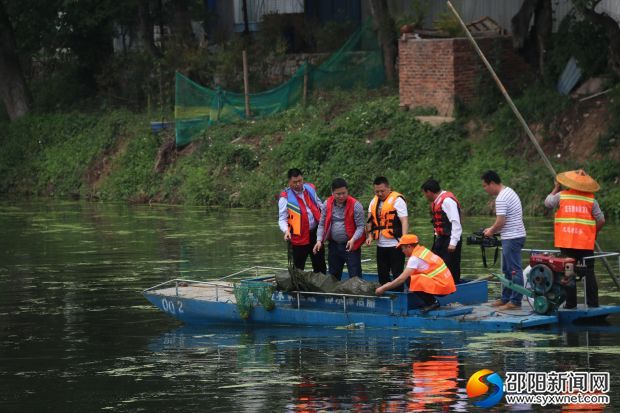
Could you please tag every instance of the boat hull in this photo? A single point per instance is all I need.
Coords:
(466, 309)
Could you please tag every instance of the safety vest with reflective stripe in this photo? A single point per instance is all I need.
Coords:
(437, 279)
(574, 225)
(387, 224)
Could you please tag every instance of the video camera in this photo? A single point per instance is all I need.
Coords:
(478, 238)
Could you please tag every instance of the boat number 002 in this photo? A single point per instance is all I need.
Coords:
(170, 307)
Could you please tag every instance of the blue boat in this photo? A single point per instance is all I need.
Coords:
(214, 302)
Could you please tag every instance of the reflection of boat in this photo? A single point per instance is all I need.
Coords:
(400, 368)
(214, 302)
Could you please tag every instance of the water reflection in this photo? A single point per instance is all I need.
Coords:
(76, 334)
(329, 369)
(368, 370)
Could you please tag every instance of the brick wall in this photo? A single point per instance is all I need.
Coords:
(437, 72)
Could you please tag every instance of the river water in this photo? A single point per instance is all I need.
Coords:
(77, 335)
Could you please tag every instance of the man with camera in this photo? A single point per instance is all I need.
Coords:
(446, 219)
(577, 222)
(509, 223)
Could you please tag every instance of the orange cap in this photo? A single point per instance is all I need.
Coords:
(578, 180)
(408, 239)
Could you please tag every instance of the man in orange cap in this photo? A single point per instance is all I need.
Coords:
(577, 221)
(429, 276)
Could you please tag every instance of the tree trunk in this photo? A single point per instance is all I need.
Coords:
(246, 23)
(146, 28)
(613, 34)
(521, 23)
(182, 22)
(532, 42)
(13, 89)
(383, 24)
(160, 23)
(543, 26)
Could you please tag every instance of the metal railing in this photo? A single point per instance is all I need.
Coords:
(256, 270)
(176, 282)
(344, 298)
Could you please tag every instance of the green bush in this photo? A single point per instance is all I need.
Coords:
(245, 164)
(581, 39)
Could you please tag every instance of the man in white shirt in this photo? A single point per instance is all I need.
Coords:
(387, 222)
(509, 223)
(446, 219)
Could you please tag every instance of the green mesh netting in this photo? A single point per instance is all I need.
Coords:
(247, 293)
(358, 63)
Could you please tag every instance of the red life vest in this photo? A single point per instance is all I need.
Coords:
(298, 222)
(443, 226)
(349, 220)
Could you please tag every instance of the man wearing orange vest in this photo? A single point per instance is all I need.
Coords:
(577, 221)
(342, 223)
(387, 222)
(428, 274)
(299, 210)
(446, 220)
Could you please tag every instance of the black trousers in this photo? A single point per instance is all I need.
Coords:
(591, 284)
(301, 252)
(337, 256)
(426, 298)
(390, 260)
(452, 259)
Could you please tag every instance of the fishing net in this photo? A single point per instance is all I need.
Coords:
(358, 63)
(356, 286)
(247, 294)
(297, 280)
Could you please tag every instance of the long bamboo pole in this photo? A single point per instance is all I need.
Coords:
(528, 131)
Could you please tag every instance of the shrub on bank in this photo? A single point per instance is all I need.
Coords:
(356, 136)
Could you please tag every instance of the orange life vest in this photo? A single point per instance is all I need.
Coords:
(437, 279)
(387, 223)
(433, 384)
(349, 220)
(574, 225)
(297, 215)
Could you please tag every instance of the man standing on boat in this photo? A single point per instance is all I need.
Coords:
(509, 223)
(577, 221)
(428, 274)
(387, 222)
(299, 213)
(446, 219)
(342, 223)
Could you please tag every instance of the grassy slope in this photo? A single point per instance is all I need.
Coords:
(350, 135)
